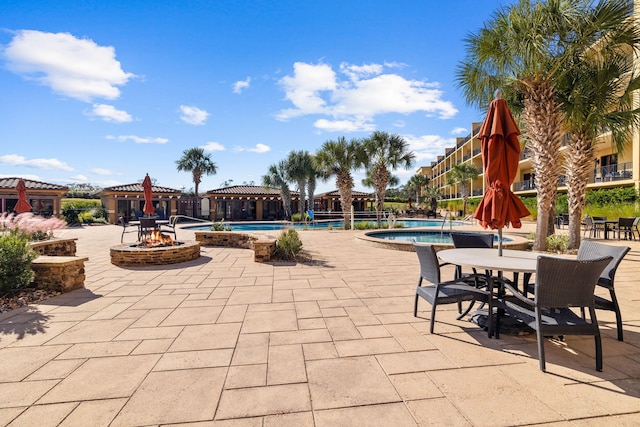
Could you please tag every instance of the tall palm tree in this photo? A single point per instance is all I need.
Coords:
(195, 160)
(383, 152)
(524, 50)
(597, 98)
(277, 176)
(339, 158)
(416, 183)
(462, 173)
(299, 169)
(312, 179)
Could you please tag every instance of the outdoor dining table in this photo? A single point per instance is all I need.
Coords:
(605, 225)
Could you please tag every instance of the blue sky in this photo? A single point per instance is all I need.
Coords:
(105, 92)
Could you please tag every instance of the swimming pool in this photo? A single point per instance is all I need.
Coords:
(279, 225)
(402, 240)
(435, 237)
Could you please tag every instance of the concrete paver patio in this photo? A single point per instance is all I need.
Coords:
(223, 341)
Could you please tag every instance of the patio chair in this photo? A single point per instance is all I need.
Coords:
(590, 249)
(625, 226)
(126, 228)
(561, 283)
(147, 225)
(589, 227)
(447, 292)
(171, 227)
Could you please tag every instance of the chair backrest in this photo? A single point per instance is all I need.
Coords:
(122, 221)
(471, 240)
(564, 282)
(147, 222)
(429, 265)
(589, 249)
(636, 220)
(588, 221)
(625, 222)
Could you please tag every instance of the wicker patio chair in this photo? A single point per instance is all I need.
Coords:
(625, 226)
(126, 228)
(447, 292)
(147, 225)
(590, 249)
(561, 283)
(171, 227)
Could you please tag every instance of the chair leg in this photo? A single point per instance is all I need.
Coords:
(540, 338)
(433, 317)
(471, 304)
(614, 300)
(415, 306)
(598, 342)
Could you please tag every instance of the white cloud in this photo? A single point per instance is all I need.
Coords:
(73, 67)
(109, 113)
(16, 160)
(259, 148)
(240, 85)
(101, 171)
(79, 178)
(362, 94)
(344, 125)
(427, 148)
(459, 131)
(23, 176)
(213, 146)
(193, 115)
(304, 87)
(138, 139)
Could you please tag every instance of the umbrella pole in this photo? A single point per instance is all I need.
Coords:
(500, 242)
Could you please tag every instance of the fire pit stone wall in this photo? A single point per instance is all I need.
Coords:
(134, 256)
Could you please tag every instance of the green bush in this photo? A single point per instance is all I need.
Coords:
(15, 262)
(220, 226)
(85, 211)
(558, 243)
(288, 245)
(296, 217)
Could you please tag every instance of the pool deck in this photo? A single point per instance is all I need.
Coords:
(223, 341)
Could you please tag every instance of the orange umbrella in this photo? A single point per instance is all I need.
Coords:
(500, 157)
(22, 205)
(148, 204)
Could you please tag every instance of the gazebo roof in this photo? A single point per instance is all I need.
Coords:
(137, 188)
(336, 193)
(11, 183)
(247, 190)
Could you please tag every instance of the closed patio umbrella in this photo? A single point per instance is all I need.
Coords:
(22, 205)
(148, 203)
(500, 157)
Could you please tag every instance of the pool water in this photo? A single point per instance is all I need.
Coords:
(266, 226)
(435, 237)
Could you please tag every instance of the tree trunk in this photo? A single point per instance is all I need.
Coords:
(543, 119)
(344, 182)
(380, 181)
(578, 163)
(551, 227)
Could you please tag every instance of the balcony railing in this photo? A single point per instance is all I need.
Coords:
(616, 172)
(531, 184)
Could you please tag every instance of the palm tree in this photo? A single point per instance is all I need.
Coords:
(433, 194)
(277, 177)
(194, 160)
(383, 152)
(462, 173)
(339, 158)
(314, 174)
(524, 50)
(367, 181)
(299, 169)
(597, 97)
(416, 183)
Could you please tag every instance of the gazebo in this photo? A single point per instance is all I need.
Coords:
(248, 202)
(44, 198)
(127, 201)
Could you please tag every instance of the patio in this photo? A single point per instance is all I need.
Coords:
(225, 341)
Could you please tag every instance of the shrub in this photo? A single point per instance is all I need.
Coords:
(85, 211)
(558, 243)
(219, 226)
(296, 217)
(15, 262)
(288, 245)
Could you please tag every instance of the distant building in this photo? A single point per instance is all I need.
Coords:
(127, 201)
(44, 198)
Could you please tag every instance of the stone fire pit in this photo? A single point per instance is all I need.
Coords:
(133, 255)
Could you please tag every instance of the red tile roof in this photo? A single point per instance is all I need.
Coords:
(137, 188)
(10, 183)
(248, 190)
